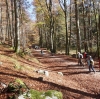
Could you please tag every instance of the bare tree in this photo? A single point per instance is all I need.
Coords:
(63, 4)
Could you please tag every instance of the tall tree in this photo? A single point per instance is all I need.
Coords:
(17, 39)
(1, 34)
(84, 25)
(63, 4)
(77, 26)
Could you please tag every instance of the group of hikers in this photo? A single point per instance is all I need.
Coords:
(83, 59)
(86, 59)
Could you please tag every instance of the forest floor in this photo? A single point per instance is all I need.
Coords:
(75, 83)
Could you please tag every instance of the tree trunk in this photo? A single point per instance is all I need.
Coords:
(99, 30)
(67, 42)
(1, 34)
(77, 27)
(84, 25)
(17, 39)
(12, 24)
(41, 37)
(70, 26)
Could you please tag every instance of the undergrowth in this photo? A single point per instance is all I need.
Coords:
(20, 89)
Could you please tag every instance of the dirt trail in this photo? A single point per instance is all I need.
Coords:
(78, 83)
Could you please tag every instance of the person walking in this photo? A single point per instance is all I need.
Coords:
(91, 64)
(88, 60)
(85, 56)
(80, 56)
(41, 52)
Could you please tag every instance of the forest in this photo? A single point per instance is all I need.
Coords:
(69, 24)
(60, 26)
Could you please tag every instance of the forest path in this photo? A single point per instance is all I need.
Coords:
(76, 82)
(81, 83)
(62, 63)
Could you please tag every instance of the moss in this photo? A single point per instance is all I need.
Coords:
(52, 93)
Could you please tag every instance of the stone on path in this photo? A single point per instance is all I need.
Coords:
(60, 73)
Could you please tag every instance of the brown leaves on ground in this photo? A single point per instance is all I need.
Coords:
(76, 82)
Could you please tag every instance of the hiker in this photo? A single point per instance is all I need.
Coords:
(88, 60)
(91, 64)
(41, 52)
(35, 47)
(85, 56)
(80, 56)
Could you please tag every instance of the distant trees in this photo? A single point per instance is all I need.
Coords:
(12, 27)
(80, 29)
(61, 24)
(47, 19)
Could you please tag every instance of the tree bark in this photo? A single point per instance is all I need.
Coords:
(17, 39)
(77, 27)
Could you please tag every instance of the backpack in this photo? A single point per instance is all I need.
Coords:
(92, 62)
(81, 56)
